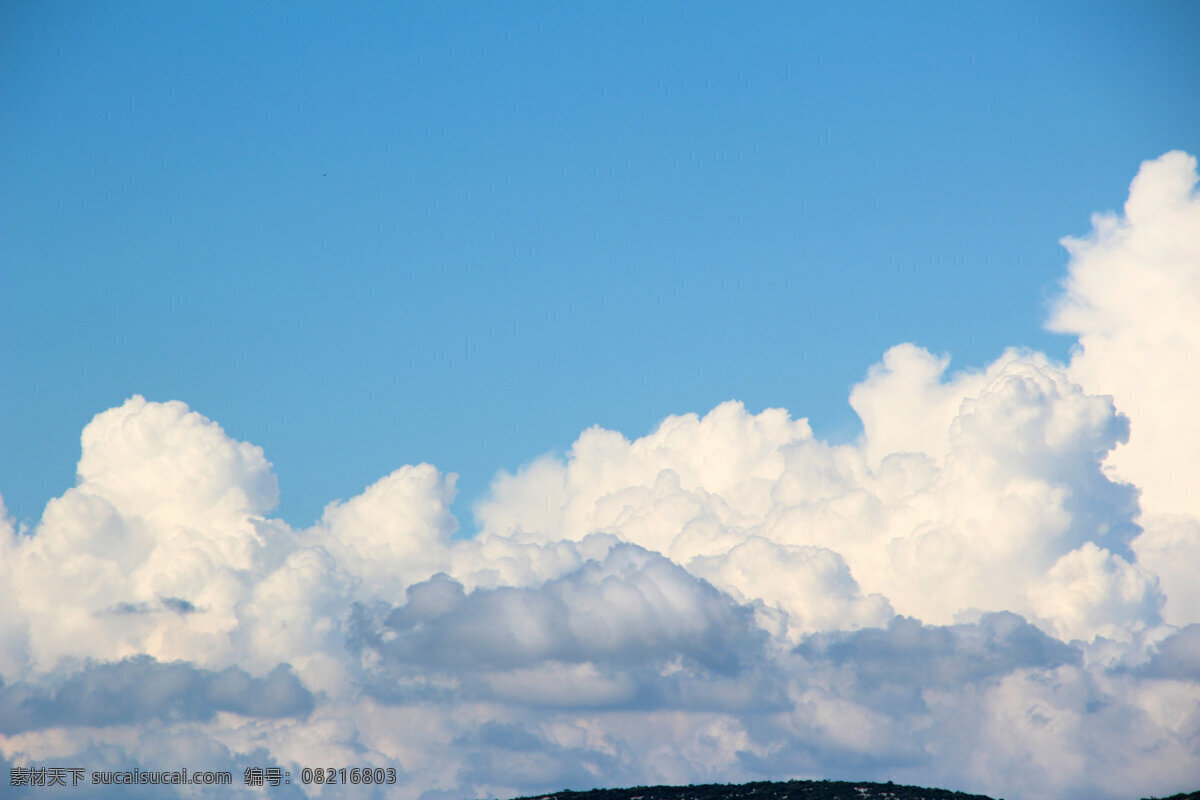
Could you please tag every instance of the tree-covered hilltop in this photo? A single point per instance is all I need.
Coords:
(784, 790)
(768, 790)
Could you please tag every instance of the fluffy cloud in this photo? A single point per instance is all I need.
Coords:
(1132, 296)
(1008, 495)
(631, 606)
(993, 589)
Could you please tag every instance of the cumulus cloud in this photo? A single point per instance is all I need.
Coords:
(909, 657)
(633, 630)
(986, 511)
(993, 589)
(631, 606)
(140, 690)
(1132, 297)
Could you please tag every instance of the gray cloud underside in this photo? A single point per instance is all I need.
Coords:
(142, 690)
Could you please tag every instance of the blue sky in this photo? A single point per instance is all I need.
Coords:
(367, 235)
(582, 255)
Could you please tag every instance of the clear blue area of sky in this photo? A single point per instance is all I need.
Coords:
(366, 235)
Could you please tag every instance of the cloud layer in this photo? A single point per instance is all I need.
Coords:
(993, 589)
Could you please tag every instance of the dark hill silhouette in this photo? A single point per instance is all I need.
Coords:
(784, 790)
(768, 790)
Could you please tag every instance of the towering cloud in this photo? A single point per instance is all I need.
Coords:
(1132, 296)
(993, 589)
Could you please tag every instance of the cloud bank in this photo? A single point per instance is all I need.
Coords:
(994, 589)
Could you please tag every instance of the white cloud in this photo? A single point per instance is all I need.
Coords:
(1168, 548)
(812, 585)
(166, 515)
(970, 595)
(393, 533)
(1132, 296)
(983, 510)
